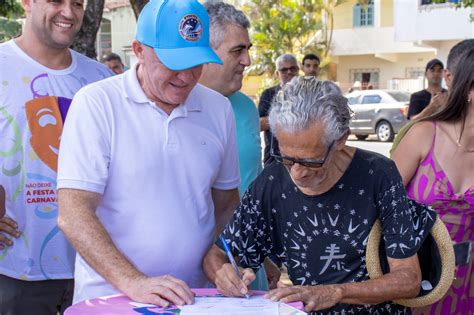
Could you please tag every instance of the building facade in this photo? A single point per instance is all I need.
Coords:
(380, 43)
(387, 43)
(117, 30)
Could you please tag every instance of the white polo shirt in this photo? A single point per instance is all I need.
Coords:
(155, 173)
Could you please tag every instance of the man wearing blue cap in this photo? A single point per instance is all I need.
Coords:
(148, 167)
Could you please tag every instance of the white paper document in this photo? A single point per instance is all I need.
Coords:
(255, 305)
(137, 304)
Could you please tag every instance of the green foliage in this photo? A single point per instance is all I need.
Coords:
(288, 26)
(282, 26)
(8, 29)
(10, 8)
(462, 3)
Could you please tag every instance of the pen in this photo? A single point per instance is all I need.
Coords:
(232, 260)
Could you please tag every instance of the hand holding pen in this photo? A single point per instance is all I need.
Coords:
(232, 280)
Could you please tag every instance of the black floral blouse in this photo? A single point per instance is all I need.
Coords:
(322, 239)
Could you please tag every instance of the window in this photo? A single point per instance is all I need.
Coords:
(363, 15)
(353, 100)
(104, 38)
(364, 78)
(414, 73)
(400, 96)
(371, 99)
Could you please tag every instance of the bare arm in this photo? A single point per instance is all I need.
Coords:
(220, 272)
(273, 273)
(3, 200)
(403, 281)
(264, 125)
(7, 225)
(413, 149)
(438, 101)
(78, 220)
(225, 203)
(213, 261)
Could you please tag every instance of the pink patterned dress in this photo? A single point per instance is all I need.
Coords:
(431, 186)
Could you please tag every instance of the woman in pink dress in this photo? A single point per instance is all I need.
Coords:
(436, 161)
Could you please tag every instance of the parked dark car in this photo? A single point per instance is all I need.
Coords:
(380, 112)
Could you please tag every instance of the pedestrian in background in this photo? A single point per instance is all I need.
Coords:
(311, 64)
(114, 63)
(454, 55)
(286, 69)
(434, 93)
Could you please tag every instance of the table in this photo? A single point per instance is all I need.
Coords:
(120, 304)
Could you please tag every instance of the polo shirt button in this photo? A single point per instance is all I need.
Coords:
(203, 142)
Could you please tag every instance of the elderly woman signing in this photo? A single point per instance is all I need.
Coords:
(314, 210)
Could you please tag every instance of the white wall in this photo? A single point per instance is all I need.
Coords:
(123, 29)
(370, 40)
(413, 22)
(442, 48)
(388, 70)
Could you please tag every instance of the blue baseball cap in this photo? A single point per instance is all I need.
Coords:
(178, 31)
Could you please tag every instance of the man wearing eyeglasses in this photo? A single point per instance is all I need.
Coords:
(286, 69)
(314, 209)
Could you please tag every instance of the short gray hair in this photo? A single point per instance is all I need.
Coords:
(285, 57)
(222, 14)
(306, 100)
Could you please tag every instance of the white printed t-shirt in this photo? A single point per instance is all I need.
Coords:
(33, 103)
(154, 172)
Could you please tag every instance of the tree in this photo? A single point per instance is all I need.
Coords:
(461, 4)
(86, 38)
(288, 26)
(10, 8)
(137, 6)
(329, 7)
(8, 29)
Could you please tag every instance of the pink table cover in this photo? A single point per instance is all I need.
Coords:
(120, 304)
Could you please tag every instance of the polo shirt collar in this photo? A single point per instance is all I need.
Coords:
(131, 87)
(193, 102)
(132, 90)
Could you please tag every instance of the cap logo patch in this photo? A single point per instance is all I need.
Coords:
(190, 28)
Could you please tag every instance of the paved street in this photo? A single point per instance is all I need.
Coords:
(371, 144)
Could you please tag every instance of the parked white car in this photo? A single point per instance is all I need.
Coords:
(380, 112)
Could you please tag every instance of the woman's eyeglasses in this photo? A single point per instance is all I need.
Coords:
(289, 161)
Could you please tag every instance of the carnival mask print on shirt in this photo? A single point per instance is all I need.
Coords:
(45, 117)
